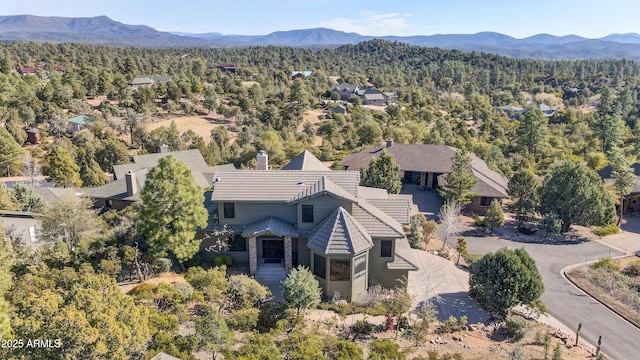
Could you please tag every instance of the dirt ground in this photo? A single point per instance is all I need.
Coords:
(201, 125)
(311, 116)
(168, 277)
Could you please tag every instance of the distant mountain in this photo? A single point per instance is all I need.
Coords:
(103, 30)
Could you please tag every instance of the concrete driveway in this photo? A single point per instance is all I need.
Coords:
(627, 240)
(564, 301)
(427, 202)
(446, 286)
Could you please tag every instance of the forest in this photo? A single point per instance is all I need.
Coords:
(444, 97)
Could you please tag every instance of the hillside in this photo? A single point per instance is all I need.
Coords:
(105, 31)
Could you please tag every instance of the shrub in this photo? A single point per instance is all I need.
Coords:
(243, 319)
(270, 314)
(633, 269)
(385, 349)
(477, 219)
(163, 264)
(222, 259)
(142, 290)
(527, 230)
(516, 327)
(607, 264)
(607, 230)
(185, 289)
(429, 227)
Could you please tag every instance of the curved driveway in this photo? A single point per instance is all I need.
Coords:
(571, 306)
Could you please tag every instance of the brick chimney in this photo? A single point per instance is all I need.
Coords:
(164, 148)
(263, 160)
(389, 142)
(132, 184)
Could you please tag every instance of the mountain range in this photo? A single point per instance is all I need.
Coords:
(105, 31)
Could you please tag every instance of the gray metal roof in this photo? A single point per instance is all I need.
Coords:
(306, 161)
(270, 226)
(340, 233)
(322, 187)
(279, 185)
(398, 209)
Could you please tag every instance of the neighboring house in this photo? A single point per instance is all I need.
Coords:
(165, 356)
(228, 67)
(373, 96)
(427, 165)
(547, 110)
(148, 80)
(79, 123)
(300, 74)
(632, 200)
(345, 90)
(391, 97)
(129, 179)
(27, 70)
(20, 226)
(513, 111)
(33, 136)
(41, 67)
(350, 236)
(339, 109)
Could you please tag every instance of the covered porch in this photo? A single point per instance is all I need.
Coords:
(270, 241)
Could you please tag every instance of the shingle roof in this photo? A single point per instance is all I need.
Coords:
(344, 87)
(404, 258)
(280, 185)
(511, 108)
(605, 175)
(150, 79)
(376, 221)
(164, 356)
(270, 226)
(398, 209)
(340, 233)
(306, 161)
(434, 159)
(321, 187)
(304, 73)
(377, 96)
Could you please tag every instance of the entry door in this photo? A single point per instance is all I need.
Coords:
(273, 249)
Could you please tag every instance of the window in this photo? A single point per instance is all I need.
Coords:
(108, 203)
(386, 246)
(237, 243)
(360, 266)
(485, 201)
(307, 213)
(229, 210)
(319, 266)
(340, 270)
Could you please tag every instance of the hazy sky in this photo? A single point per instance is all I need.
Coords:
(518, 18)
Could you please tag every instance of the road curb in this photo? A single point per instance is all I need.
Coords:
(577, 286)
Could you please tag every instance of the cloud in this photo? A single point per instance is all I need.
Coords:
(372, 23)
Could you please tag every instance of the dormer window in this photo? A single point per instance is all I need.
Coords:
(307, 213)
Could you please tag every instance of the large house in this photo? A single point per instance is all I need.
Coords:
(427, 165)
(306, 214)
(129, 179)
(631, 200)
(148, 80)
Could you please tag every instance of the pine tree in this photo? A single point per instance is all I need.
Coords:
(523, 190)
(301, 290)
(494, 217)
(172, 209)
(383, 173)
(459, 180)
(60, 169)
(10, 152)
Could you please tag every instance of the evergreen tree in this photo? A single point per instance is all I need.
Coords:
(7, 258)
(504, 279)
(61, 171)
(213, 332)
(576, 195)
(625, 179)
(172, 209)
(523, 190)
(382, 173)
(90, 172)
(301, 290)
(494, 217)
(532, 133)
(10, 152)
(459, 180)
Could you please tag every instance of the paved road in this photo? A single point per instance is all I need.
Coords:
(567, 303)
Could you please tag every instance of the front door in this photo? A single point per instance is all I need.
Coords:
(272, 249)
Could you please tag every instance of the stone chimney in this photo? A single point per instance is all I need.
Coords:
(389, 142)
(132, 184)
(164, 148)
(263, 160)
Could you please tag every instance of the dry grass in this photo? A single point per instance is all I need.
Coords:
(168, 277)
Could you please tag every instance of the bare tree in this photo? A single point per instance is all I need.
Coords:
(31, 168)
(449, 215)
(57, 125)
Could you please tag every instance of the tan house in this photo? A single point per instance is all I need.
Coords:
(349, 236)
(426, 166)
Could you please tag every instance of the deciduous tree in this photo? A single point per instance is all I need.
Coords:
(172, 209)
